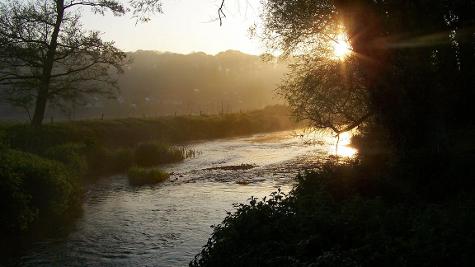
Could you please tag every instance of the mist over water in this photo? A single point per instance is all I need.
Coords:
(167, 224)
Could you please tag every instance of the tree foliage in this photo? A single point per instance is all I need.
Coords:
(328, 94)
(414, 62)
(47, 56)
(414, 59)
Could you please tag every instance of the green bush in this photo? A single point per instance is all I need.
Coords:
(3, 141)
(141, 176)
(72, 155)
(122, 159)
(154, 153)
(336, 217)
(131, 131)
(37, 140)
(34, 190)
(101, 160)
(18, 214)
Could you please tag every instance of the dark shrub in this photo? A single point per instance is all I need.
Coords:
(123, 158)
(3, 141)
(105, 161)
(37, 140)
(99, 159)
(18, 214)
(154, 153)
(34, 189)
(141, 176)
(332, 218)
(72, 155)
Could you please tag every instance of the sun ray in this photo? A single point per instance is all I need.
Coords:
(341, 46)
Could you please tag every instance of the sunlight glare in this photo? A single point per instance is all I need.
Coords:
(341, 46)
(344, 149)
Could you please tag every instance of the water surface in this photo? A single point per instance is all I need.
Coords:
(167, 224)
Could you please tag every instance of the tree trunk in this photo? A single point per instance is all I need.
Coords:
(43, 94)
(40, 105)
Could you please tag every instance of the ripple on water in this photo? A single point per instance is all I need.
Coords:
(167, 224)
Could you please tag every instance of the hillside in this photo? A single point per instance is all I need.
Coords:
(155, 84)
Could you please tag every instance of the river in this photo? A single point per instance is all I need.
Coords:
(167, 224)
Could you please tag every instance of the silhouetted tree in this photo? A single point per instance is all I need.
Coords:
(328, 93)
(415, 59)
(47, 56)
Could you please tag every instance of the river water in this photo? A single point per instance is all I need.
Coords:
(167, 224)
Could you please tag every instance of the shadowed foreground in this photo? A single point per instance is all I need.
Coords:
(43, 170)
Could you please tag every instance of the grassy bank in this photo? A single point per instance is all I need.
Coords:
(42, 170)
(131, 131)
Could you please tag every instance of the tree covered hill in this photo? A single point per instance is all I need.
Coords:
(155, 83)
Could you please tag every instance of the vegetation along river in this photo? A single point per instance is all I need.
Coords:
(167, 224)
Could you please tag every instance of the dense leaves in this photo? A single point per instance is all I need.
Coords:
(327, 93)
(412, 64)
(341, 217)
(34, 189)
(408, 200)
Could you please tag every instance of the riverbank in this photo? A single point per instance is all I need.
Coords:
(167, 224)
(382, 209)
(341, 217)
(43, 169)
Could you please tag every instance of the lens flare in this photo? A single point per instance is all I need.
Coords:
(341, 46)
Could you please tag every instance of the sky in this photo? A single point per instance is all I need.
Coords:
(185, 26)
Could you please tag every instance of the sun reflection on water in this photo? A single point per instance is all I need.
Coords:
(329, 142)
(343, 148)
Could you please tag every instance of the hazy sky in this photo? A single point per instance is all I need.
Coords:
(185, 26)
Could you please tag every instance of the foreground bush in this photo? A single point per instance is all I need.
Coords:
(337, 217)
(72, 155)
(34, 190)
(141, 176)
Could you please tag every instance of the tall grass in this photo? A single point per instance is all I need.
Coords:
(132, 131)
(141, 176)
(154, 153)
(95, 147)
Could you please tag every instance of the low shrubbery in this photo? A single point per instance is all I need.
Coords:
(72, 155)
(105, 161)
(122, 160)
(42, 169)
(37, 140)
(131, 131)
(92, 160)
(34, 189)
(95, 148)
(341, 217)
(142, 176)
(154, 153)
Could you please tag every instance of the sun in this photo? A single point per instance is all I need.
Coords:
(341, 46)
